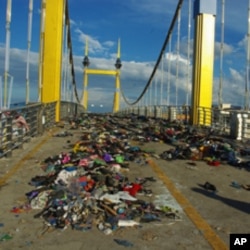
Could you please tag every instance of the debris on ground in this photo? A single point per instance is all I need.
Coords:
(90, 186)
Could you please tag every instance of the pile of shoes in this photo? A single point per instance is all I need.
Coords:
(211, 149)
(89, 186)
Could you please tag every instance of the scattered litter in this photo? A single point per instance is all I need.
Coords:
(89, 186)
(124, 243)
(235, 184)
(5, 237)
(210, 187)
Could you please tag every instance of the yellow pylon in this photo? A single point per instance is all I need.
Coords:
(87, 71)
(205, 12)
(52, 38)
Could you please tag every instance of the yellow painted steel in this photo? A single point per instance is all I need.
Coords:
(203, 69)
(116, 105)
(52, 54)
(116, 73)
(100, 72)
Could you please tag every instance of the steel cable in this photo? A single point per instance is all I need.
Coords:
(69, 43)
(179, 5)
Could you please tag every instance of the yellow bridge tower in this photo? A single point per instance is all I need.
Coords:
(116, 73)
(50, 62)
(50, 65)
(204, 14)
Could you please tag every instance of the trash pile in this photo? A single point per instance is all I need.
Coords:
(191, 145)
(89, 186)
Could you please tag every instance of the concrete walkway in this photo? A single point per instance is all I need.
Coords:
(206, 220)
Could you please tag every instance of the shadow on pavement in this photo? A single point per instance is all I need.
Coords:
(240, 205)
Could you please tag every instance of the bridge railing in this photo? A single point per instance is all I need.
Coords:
(70, 109)
(225, 122)
(39, 118)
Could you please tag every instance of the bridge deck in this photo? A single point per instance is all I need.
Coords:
(206, 219)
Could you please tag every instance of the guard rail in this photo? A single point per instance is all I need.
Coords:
(39, 118)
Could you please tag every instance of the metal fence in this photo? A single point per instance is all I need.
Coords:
(39, 118)
(225, 122)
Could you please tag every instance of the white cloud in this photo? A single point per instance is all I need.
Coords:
(136, 70)
(235, 76)
(135, 74)
(72, 23)
(95, 47)
(233, 88)
(175, 57)
(109, 44)
(227, 49)
(93, 44)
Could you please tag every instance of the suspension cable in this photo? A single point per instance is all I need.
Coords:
(246, 101)
(66, 65)
(177, 59)
(71, 53)
(28, 52)
(179, 5)
(169, 68)
(221, 53)
(188, 50)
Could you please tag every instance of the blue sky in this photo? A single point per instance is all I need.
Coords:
(141, 25)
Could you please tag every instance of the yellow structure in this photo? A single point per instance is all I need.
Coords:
(116, 73)
(51, 53)
(204, 14)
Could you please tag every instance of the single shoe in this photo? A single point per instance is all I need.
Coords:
(209, 186)
(235, 184)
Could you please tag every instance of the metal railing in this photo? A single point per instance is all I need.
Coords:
(225, 122)
(39, 118)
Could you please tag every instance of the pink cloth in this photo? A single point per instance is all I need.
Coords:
(21, 122)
